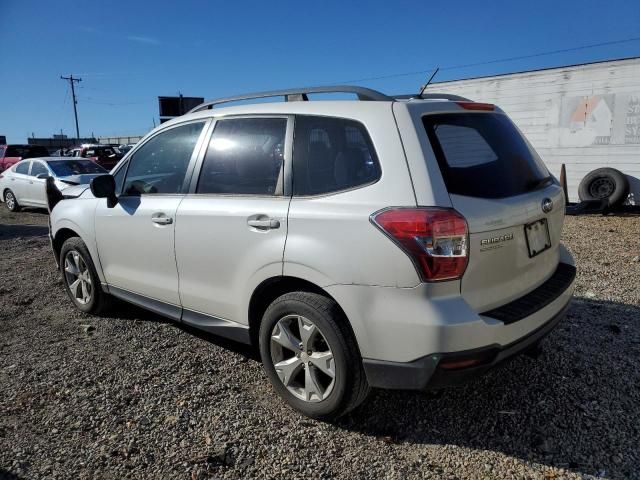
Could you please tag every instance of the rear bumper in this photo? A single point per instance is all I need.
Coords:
(407, 336)
(426, 372)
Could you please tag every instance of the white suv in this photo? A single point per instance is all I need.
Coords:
(392, 242)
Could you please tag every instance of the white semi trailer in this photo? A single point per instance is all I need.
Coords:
(584, 116)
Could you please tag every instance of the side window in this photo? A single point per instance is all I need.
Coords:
(245, 157)
(22, 167)
(160, 165)
(332, 154)
(37, 168)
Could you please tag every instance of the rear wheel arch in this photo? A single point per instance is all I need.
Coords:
(272, 288)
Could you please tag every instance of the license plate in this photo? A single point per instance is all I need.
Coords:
(537, 235)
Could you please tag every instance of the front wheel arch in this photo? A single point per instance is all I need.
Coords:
(60, 237)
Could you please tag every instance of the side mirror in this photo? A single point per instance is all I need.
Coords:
(104, 186)
(42, 176)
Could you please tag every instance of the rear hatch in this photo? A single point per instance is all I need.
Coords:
(514, 208)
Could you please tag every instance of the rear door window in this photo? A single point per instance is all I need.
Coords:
(245, 157)
(331, 154)
(484, 155)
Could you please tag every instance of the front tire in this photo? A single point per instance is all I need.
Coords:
(80, 278)
(311, 357)
(11, 202)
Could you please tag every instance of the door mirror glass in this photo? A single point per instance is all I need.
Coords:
(42, 176)
(104, 186)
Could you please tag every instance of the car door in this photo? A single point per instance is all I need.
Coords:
(19, 180)
(136, 236)
(35, 186)
(231, 227)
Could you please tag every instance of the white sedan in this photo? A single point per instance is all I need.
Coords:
(23, 185)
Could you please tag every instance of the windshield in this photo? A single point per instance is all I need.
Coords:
(26, 151)
(484, 155)
(65, 168)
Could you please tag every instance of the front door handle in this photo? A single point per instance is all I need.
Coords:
(265, 224)
(161, 219)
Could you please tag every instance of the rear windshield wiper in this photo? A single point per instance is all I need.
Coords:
(539, 182)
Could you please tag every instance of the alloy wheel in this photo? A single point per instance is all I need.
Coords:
(11, 200)
(302, 358)
(78, 277)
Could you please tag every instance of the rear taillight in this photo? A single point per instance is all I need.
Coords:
(476, 106)
(436, 239)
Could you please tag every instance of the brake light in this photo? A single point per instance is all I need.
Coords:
(436, 239)
(476, 106)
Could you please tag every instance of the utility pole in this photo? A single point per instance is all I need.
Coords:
(72, 81)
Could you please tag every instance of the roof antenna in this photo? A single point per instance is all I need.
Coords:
(428, 82)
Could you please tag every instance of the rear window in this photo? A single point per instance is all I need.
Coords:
(484, 155)
(26, 151)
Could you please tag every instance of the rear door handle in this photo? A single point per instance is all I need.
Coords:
(265, 224)
(161, 219)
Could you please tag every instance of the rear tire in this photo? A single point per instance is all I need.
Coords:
(11, 202)
(604, 184)
(307, 336)
(80, 278)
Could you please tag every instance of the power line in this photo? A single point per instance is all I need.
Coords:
(500, 60)
(72, 82)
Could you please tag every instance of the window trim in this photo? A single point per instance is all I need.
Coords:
(344, 190)
(190, 166)
(287, 163)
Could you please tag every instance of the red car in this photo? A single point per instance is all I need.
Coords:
(104, 155)
(12, 154)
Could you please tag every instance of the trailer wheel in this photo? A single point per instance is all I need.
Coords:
(604, 183)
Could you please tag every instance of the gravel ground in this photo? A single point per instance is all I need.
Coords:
(135, 396)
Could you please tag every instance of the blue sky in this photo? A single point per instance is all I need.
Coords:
(130, 52)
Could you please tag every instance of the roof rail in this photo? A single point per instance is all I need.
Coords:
(433, 96)
(298, 94)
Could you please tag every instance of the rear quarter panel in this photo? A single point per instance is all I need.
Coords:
(330, 237)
